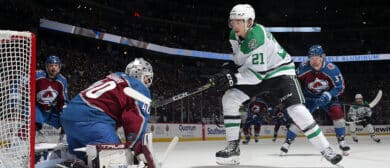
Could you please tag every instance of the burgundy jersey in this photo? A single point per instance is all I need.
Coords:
(258, 107)
(51, 94)
(107, 96)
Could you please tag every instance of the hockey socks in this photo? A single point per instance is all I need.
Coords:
(316, 137)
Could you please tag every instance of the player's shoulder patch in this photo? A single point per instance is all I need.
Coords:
(331, 66)
(255, 38)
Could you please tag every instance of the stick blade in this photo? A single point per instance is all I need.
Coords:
(376, 99)
(170, 147)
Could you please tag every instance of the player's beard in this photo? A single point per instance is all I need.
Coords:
(53, 73)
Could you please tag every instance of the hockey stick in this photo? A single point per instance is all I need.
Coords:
(136, 95)
(372, 104)
(181, 95)
(170, 147)
(357, 121)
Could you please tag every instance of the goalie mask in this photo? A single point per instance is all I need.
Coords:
(142, 70)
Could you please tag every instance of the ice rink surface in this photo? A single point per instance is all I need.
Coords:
(265, 154)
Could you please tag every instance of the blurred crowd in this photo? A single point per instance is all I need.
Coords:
(203, 25)
(86, 61)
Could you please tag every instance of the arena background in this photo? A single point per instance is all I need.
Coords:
(348, 27)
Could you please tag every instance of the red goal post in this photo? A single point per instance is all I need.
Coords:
(17, 98)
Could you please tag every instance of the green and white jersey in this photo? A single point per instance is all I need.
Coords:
(359, 112)
(260, 56)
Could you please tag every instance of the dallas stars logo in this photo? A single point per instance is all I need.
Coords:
(253, 44)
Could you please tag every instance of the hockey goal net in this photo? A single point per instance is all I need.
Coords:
(17, 73)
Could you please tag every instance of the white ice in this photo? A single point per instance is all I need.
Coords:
(265, 154)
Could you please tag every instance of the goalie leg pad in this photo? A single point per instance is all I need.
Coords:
(143, 151)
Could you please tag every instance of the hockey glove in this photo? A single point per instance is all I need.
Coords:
(324, 99)
(223, 80)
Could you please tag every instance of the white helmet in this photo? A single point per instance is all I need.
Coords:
(242, 11)
(140, 68)
(358, 96)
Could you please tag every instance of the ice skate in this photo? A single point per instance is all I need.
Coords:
(331, 156)
(375, 138)
(285, 147)
(343, 146)
(274, 139)
(355, 139)
(230, 155)
(246, 141)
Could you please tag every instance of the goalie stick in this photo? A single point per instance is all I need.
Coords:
(372, 104)
(181, 95)
(136, 95)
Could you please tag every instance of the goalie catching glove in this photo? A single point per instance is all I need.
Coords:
(223, 80)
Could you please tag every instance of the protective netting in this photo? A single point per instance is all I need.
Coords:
(16, 56)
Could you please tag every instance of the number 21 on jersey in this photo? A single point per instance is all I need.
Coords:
(257, 59)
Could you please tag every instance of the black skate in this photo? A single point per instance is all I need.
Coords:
(285, 147)
(343, 146)
(355, 139)
(376, 139)
(274, 139)
(256, 139)
(331, 156)
(246, 141)
(230, 155)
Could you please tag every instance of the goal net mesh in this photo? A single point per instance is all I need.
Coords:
(17, 69)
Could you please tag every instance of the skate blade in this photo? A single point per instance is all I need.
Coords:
(345, 153)
(338, 165)
(234, 160)
(282, 154)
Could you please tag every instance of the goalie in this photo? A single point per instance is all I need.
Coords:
(93, 116)
(361, 115)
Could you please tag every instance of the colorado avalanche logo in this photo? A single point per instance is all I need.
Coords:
(47, 96)
(318, 85)
(255, 109)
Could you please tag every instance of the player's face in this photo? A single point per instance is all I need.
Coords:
(148, 80)
(53, 69)
(238, 26)
(359, 101)
(316, 62)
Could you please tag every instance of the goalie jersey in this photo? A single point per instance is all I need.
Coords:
(105, 101)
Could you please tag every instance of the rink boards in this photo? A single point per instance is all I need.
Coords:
(163, 132)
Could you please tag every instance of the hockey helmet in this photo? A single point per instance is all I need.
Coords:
(315, 50)
(358, 96)
(242, 11)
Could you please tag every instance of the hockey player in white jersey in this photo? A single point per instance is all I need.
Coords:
(361, 115)
(264, 66)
